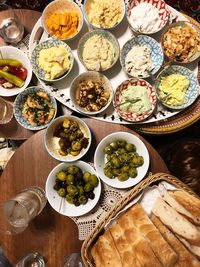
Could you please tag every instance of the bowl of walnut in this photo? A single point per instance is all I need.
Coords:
(91, 93)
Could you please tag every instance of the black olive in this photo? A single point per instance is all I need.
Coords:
(56, 187)
(91, 195)
(58, 182)
(63, 184)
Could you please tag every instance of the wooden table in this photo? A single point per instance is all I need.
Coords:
(51, 234)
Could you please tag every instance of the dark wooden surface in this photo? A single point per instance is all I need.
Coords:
(51, 234)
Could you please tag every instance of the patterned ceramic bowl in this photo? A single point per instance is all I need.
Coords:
(162, 11)
(92, 76)
(105, 34)
(61, 6)
(97, 13)
(39, 72)
(19, 104)
(118, 102)
(191, 93)
(155, 50)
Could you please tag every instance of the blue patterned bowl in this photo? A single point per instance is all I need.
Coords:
(19, 103)
(39, 72)
(191, 93)
(156, 52)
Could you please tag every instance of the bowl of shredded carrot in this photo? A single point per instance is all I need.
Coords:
(62, 19)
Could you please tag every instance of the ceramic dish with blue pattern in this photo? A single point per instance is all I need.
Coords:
(177, 87)
(141, 55)
(34, 108)
(57, 63)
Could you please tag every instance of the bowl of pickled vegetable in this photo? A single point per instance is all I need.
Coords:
(67, 138)
(15, 71)
(121, 159)
(73, 189)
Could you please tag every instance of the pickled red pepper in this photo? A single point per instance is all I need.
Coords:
(11, 78)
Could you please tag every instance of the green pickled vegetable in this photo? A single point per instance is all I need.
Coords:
(10, 61)
(12, 78)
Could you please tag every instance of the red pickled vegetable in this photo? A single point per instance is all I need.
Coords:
(20, 72)
(2, 80)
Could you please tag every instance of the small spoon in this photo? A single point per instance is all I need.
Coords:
(128, 101)
(98, 66)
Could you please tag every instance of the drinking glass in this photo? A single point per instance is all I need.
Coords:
(17, 212)
(6, 111)
(11, 28)
(73, 260)
(33, 259)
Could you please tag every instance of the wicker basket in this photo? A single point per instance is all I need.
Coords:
(91, 239)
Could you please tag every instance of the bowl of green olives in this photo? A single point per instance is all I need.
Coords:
(67, 138)
(73, 189)
(121, 159)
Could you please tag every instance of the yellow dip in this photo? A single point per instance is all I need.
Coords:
(173, 89)
(139, 93)
(54, 61)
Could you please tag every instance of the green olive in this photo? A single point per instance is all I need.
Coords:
(61, 175)
(123, 177)
(93, 180)
(69, 199)
(88, 187)
(121, 151)
(130, 147)
(140, 160)
(116, 162)
(80, 190)
(121, 143)
(135, 160)
(74, 153)
(108, 172)
(72, 190)
(70, 179)
(82, 199)
(72, 169)
(125, 157)
(132, 172)
(76, 146)
(108, 150)
(86, 176)
(62, 192)
(116, 172)
(114, 145)
(125, 168)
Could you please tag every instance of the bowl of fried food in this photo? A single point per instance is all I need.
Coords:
(62, 19)
(67, 138)
(52, 60)
(181, 42)
(104, 14)
(35, 108)
(91, 93)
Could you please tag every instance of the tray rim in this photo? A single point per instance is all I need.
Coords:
(158, 177)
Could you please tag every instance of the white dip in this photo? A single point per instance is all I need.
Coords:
(145, 18)
(138, 61)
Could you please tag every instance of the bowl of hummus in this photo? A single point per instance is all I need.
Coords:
(52, 60)
(177, 87)
(98, 50)
(134, 100)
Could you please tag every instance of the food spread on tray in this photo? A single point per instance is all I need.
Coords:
(37, 109)
(122, 160)
(138, 61)
(181, 42)
(54, 61)
(168, 237)
(63, 24)
(98, 53)
(144, 17)
(136, 99)
(92, 96)
(105, 14)
(71, 138)
(75, 185)
(12, 73)
(172, 89)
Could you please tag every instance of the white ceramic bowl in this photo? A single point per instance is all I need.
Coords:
(60, 6)
(51, 141)
(60, 204)
(15, 53)
(95, 77)
(100, 159)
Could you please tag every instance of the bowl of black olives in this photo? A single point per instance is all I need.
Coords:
(121, 159)
(73, 189)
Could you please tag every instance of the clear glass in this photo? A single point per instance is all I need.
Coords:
(73, 260)
(17, 212)
(11, 28)
(6, 111)
(33, 259)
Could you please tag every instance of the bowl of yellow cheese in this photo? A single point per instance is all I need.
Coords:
(177, 87)
(52, 60)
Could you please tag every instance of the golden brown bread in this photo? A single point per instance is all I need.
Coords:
(130, 242)
(168, 257)
(105, 253)
(186, 259)
(194, 249)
